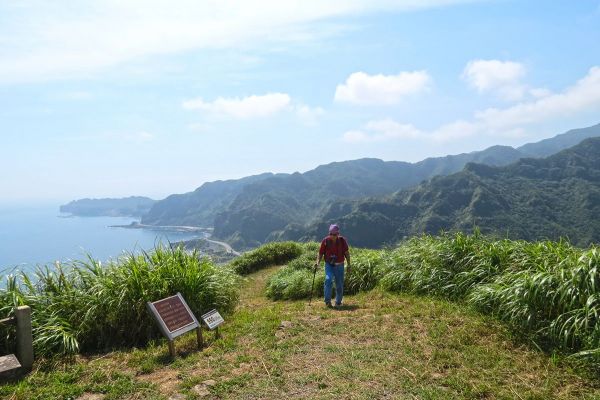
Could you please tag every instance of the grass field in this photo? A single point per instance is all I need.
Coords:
(381, 345)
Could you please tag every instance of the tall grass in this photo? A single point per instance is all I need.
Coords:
(555, 301)
(276, 253)
(294, 281)
(448, 266)
(85, 306)
(548, 292)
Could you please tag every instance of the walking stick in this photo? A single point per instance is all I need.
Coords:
(312, 288)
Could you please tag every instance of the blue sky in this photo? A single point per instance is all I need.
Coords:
(112, 98)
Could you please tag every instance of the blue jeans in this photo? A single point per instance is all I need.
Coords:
(334, 272)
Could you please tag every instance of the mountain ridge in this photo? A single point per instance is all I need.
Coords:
(278, 207)
(252, 210)
(519, 201)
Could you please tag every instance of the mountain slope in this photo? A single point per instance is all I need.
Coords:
(547, 147)
(268, 206)
(198, 208)
(532, 199)
(252, 210)
(265, 209)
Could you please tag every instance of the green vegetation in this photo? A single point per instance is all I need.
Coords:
(532, 199)
(382, 345)
(86, 306)
(465, 304)
(547, 292)
(295, 279)
(198, 208)
(268, 255)
(258, 209)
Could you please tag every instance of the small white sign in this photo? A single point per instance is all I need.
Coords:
(212, 319)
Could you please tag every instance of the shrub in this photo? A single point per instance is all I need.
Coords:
(448, 265)
(553, 297)
(275, 253)
(294, 281)
(294, 284)
(85, 306)
(546, 291)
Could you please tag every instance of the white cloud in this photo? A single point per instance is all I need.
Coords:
(256, 106)
(382, 130)
(361, 88)
(41, 40)
(583, 95)
(309, 115)
(357, 137)
(512, 121)
(243, 108)
(500, 77)
(540, 92)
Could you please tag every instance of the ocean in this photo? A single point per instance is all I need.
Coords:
(38, 235)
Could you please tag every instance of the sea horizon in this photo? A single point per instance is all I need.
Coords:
(39, 234)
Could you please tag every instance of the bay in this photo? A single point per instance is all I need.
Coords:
(33, 235)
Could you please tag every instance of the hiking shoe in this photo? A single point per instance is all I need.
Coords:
(338, 306)
(328, 305)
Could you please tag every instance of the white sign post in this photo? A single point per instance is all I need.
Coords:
(213, 319)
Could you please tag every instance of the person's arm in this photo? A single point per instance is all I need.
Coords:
(319, 258)
(320, 255)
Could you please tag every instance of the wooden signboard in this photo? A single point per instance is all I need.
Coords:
(173, 315)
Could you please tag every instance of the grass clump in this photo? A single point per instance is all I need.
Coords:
(555, 301)
(275, 253)
(294, 281)
(547, 292)
(85, 306)
(448, 265)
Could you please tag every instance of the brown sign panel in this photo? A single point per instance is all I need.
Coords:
(173, 316)
(173, 313)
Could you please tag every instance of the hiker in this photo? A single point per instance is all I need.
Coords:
(335, 249)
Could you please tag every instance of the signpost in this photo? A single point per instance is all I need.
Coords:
(175, 318)
(213, 319)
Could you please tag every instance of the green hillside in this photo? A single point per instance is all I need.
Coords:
(254, 210)
(199, 207)
(532, 199)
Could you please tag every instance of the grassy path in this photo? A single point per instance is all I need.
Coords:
(380, 346)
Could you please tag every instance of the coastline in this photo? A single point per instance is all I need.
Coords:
(165, 228)
(207, 233)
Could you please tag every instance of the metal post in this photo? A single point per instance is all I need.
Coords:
(24, 337)
(217, 334)
(199, 337)
(172, 348)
